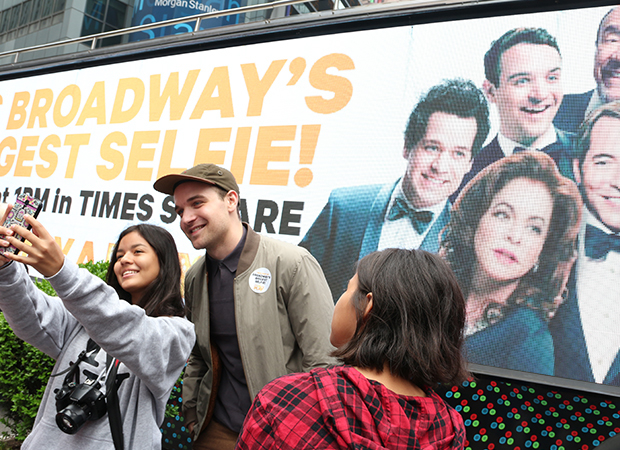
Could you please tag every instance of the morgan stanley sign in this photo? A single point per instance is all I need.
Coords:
(150, 11)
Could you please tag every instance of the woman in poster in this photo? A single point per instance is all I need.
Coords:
(511, 242)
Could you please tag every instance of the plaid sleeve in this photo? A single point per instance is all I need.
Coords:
(257, 431)
(339, 408)
(285, 415)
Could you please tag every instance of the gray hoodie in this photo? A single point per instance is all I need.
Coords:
(152, 350)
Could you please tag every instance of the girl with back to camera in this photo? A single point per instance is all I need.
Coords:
(126, 340)
(511, 242)
(398, 331)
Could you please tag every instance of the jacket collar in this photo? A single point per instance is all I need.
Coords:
(250, 249)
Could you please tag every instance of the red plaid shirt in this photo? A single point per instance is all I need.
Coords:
(339, 408)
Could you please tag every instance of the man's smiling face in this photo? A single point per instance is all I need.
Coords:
(599, 174)
(205, 215)
(529, 92)
(439, 161)
(607, 59)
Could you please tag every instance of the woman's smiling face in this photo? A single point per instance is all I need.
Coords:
(512, 232)
(137, 265)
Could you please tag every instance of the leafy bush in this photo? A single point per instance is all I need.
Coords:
(25, 370)
(23, 376)
(96, 268)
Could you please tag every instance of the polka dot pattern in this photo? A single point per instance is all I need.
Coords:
(174, 434)
(499, 414)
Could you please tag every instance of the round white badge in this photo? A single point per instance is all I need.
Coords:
(260, 280)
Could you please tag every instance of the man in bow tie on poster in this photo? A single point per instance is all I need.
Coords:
(585, 328)
(445, 131)
(523, 71)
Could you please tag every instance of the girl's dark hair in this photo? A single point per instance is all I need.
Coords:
(416, 322)
(538, 288)
(163, 296)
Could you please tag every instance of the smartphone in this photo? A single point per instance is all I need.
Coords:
(25, 204)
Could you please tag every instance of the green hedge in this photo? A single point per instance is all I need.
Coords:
(24, 371)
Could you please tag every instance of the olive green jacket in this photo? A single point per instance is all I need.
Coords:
(283, 313)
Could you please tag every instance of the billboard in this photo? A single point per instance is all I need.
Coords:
(320, 135)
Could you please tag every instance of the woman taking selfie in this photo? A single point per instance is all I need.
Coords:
(398, 331)
(119, 347)
(511, 242)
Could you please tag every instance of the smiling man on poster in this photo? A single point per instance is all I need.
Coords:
(445, 131)
(576, 107)
(523, 79)
(585, 327)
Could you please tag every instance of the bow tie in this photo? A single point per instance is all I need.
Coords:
(419, 219)
(598, 243)
(553, 150)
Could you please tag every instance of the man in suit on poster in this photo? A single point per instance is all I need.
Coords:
(576, 107)
(445, 131)
(585, 327)
(523, 69)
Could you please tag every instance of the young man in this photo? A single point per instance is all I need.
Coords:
(261, 307)
(523, 71)
(445, 130)
(585, 327)
(576, 107)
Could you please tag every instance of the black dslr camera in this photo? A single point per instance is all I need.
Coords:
(77, 403)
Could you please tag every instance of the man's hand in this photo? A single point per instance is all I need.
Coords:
(190, 428)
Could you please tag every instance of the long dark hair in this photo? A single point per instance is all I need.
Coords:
(416, 322)
(539, 287)
(163, 296)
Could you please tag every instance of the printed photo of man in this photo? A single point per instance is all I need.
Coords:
(576, 107)
(523, 70)
(585, 328)
(445, 131)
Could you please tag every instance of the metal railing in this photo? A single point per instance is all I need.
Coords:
(95, 38)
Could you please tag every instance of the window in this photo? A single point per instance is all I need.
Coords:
(25, 13)
(14, 17)
(59, 6)
(36, 10)
(104, 15)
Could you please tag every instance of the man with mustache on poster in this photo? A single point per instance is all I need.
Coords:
(585, 327)
(523, 79)
(576, 107)
(445, 131)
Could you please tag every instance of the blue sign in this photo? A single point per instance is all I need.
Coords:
(151, 11)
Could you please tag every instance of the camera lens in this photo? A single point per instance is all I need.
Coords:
(67, 425)
(71, 419)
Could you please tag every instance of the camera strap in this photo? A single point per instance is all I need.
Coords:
(88, 355)
(113, 381)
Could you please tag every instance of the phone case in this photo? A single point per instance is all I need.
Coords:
(25, 204)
